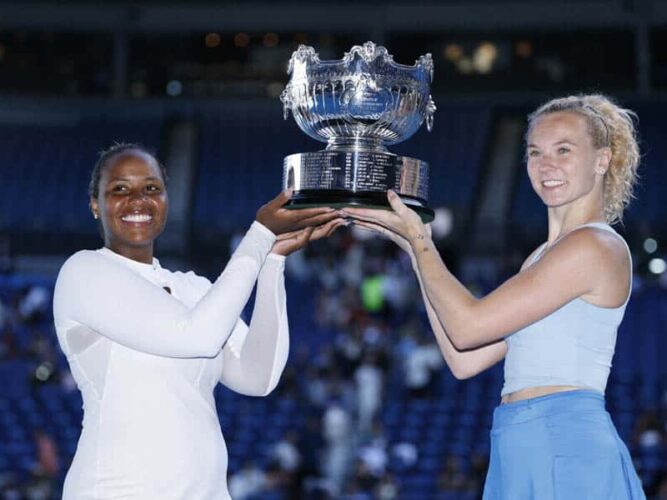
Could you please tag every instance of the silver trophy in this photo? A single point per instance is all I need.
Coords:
(358, 105)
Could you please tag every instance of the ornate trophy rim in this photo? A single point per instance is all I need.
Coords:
(402, 94)
(369, 52)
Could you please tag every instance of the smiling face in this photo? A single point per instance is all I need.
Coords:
(132, 205)
(563, 165)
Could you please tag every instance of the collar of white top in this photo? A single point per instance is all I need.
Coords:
(139, 266)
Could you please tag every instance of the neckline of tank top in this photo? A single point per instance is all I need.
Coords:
(545, 246)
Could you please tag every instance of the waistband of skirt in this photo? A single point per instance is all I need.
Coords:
(567, 402)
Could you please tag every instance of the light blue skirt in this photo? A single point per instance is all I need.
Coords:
(562, 446)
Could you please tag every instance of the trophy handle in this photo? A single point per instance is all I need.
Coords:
(430, 111)
(287, 103)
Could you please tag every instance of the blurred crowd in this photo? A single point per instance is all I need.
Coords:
(26, 334)
(370, 303)
(365, 304)
(367, 337)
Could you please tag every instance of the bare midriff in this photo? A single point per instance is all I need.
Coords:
(536, 392)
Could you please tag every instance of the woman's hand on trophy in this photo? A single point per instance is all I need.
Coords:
(287, 243)
(278, 219)
(402, 243)
(401, 221)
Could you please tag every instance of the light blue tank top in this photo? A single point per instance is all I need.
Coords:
(573, 345)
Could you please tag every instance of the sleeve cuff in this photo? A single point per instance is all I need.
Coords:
(263, 230)
(278, 259)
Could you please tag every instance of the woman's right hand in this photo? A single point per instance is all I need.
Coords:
(278, 219)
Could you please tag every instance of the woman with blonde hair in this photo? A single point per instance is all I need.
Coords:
(555, 322)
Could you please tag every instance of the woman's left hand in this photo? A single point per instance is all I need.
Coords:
(401, 220)
(287, 243)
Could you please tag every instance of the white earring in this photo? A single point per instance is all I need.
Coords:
(95, 216)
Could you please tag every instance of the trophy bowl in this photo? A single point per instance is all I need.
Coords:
(358, 105)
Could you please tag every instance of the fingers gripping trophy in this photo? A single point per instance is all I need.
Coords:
(358, 105)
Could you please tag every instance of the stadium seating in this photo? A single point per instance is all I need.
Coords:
(454, 421)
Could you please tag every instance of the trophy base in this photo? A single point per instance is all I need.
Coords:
(339, 178)
(340, 198)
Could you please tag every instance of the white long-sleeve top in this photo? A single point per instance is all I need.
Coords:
(147, 361)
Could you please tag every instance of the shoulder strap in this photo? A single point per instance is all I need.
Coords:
(600, 225)
(609, 229)
(538, 253)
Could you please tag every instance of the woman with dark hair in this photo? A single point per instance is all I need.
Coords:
(555, 322)
(147, 346)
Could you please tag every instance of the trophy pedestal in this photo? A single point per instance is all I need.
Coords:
(356, 178)
(338, 199)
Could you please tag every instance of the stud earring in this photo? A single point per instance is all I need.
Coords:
(95, 216)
